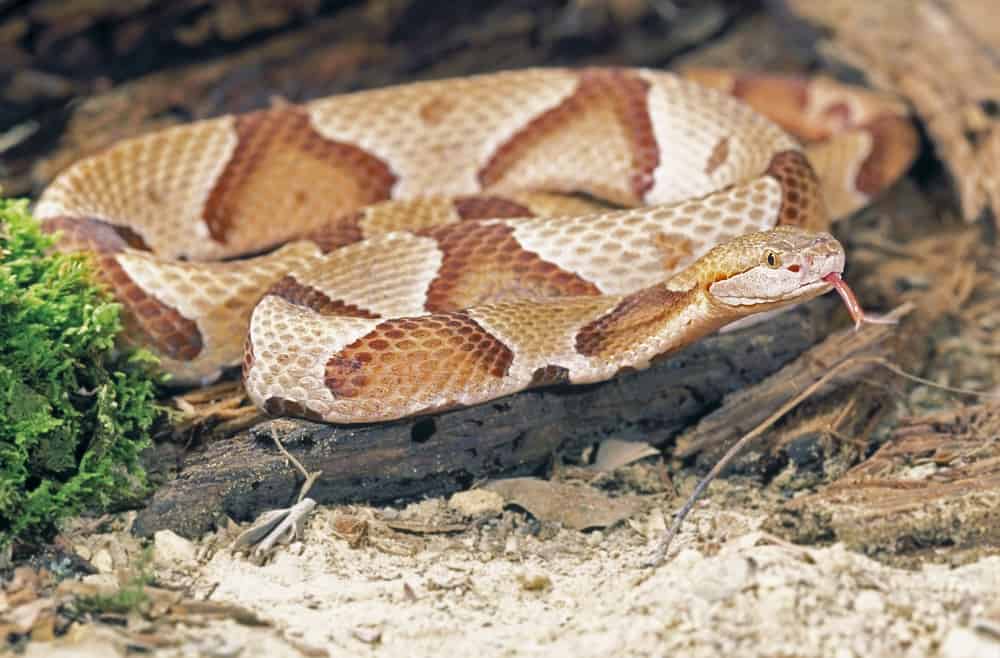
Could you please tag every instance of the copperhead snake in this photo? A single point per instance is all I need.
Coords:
(404, 250)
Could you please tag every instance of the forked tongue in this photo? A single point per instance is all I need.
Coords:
(853, 307)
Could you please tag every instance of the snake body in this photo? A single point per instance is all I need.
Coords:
(404, 250)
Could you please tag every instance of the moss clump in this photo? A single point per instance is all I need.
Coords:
(73, 416)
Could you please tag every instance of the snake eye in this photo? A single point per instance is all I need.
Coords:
(773, 260)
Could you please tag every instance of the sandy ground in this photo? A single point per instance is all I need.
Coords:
(508, 585)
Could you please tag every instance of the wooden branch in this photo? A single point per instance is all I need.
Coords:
(246, 475)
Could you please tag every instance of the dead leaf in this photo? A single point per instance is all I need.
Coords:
(307, 650)
(615, 453)
(574, 506)
(21, 596)
(352, 529)
(419, 528)
(44, 628)
(23, 618)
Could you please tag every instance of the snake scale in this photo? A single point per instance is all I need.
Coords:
(409, 249)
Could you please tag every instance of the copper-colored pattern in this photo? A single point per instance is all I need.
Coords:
(675, 249)
(483, 262)
(277, 406)
(410, 249)
(342, 231)
(159, 325)
(308, 297)
(629, 321)
(147, 319)
(604, 97)
(489, 207)
(549, 376)
(249, 358)
(436, 109)
(802, 201)
(719, 154)
(405, 358)
(784, 96)
(284, 170)
(826, 112)
(893, 144)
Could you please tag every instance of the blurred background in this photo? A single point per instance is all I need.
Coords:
(76, 75)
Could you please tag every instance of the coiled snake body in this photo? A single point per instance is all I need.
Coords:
(409, 249)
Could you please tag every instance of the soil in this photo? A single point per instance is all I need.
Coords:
(509, 585)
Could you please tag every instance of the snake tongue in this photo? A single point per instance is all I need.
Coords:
(853, 306)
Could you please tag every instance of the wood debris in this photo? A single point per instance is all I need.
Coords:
(222, 409)
(934, 484)
(941, 56)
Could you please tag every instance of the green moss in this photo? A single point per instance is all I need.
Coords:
(73, 416)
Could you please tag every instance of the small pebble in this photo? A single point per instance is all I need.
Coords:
(102, 561)
(368, 634)
(173, 551)
(535, 582)
(869, 603)
(966, 643)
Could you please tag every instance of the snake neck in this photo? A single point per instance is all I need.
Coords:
(654, 322)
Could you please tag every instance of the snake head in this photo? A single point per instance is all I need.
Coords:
(770, 269)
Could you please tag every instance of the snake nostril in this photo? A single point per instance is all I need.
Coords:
(794, 268)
